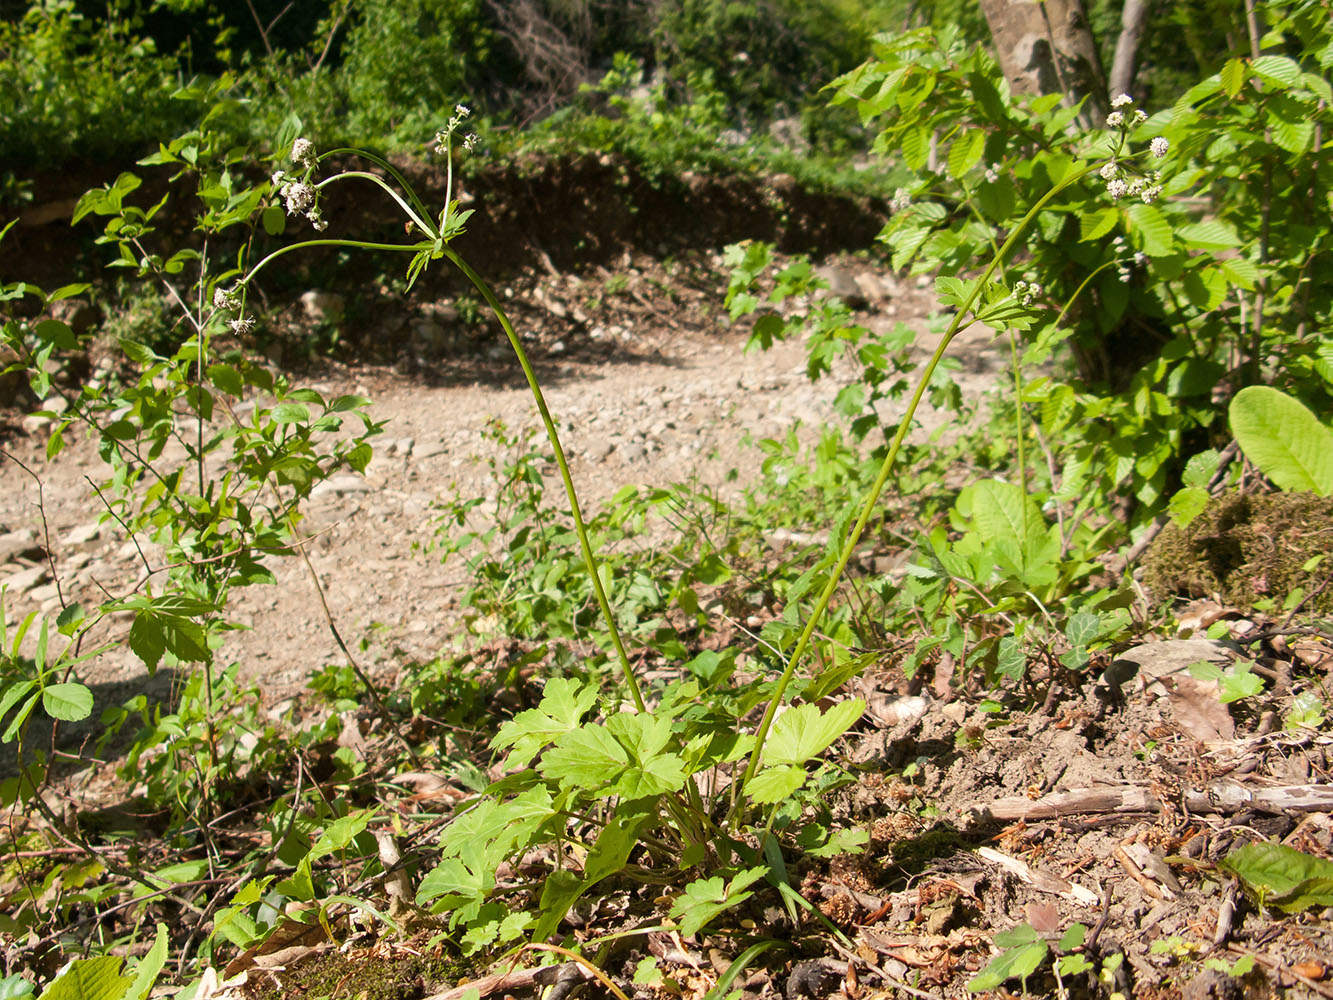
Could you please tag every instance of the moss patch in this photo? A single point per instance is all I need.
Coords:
(363, 975)
(1246, 549)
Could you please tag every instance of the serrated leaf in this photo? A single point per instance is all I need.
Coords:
(588, 757)
(90, 979)
(1283, 438)
(563, 705)
(803, 733)
(1214, 235)
(1233, 75)
(1278, 70)
(1151, 228)
(67, 702)
(1095, 225)
(704, 899)
(965, 152)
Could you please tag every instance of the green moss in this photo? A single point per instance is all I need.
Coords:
(1245, 549)
(363, 975)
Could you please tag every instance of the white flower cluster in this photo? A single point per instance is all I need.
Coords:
(901, 200)
(992, 173)
(229, 300)
(444, 137)
(1026, 292)
(297, 193)
(1118, 182)
(1120, 248)
(1118, 118)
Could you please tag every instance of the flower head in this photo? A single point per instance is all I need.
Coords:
(303, 152)
(1116, 188)
(299, 197)
(242, 326)
(1159, 146)
(1116, 119)
(226, 298)
(1123, 101)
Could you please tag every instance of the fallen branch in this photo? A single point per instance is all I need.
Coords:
(1223, 797)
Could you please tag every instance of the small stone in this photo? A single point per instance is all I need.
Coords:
(343, 485)
(21, 543)
(82, 534)
(24, 580)
(323, 307)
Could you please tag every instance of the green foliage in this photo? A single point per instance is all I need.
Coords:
(77, 88)
(1282, 876)
(1284, 439)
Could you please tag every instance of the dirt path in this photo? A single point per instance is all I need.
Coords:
(666, 402)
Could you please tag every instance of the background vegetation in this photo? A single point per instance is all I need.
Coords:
(1161, 277)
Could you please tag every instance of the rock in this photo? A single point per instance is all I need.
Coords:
(323, 307)
(343, 485)
(78, 315)
(841, 284)
(24, 580)
(21, 543)
(82, 534)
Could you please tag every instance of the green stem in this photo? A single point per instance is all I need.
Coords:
(589, 560)
(868, 507)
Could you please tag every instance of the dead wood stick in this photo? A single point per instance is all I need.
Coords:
(1220, 797)
(516, 980)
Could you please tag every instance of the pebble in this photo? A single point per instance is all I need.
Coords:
(24, 580)
(19, 543)
(340, 486)
(82, 534)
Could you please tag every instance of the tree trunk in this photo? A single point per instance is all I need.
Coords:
(1048, 48)
(1133, 19)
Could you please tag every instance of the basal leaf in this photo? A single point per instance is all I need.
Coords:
(563, 705)
(704, 899)
(587, 758)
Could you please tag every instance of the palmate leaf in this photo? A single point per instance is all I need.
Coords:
(705, 898)
(563, 705)
(802, 733)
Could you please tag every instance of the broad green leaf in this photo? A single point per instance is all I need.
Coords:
(1082, 628)
(1284, 439)
(704, 899)
(67, 702)
(802, 733)
(1282, 876)
(775, 784)
(588, 757)
(1013, 963)
(290, 413)
(90, 979)
(1151, 227)
(561, 890)
(1095, 225)
(1187, 504)
(1239, 682)
(15, 987)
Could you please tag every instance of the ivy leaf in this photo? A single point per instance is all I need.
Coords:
(704, 899)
